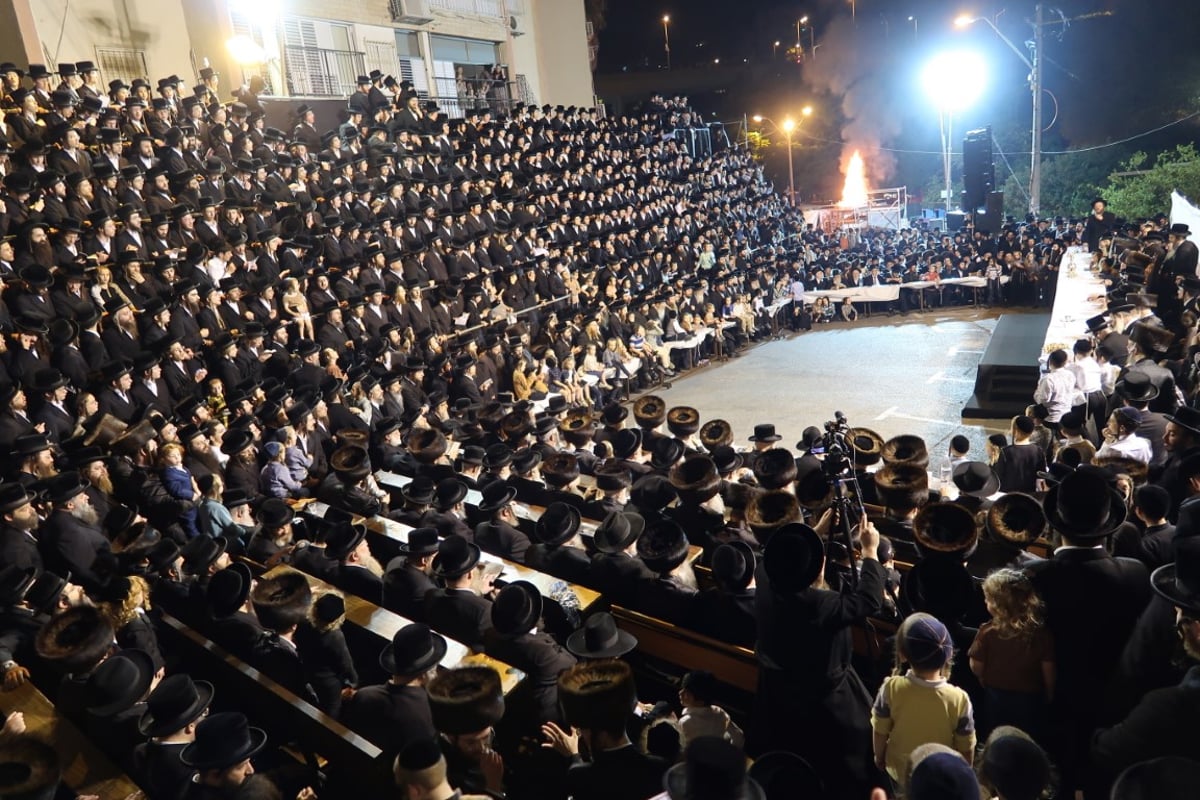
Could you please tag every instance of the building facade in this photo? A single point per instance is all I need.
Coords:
(458, 53)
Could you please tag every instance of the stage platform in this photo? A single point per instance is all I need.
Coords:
(1008, 373)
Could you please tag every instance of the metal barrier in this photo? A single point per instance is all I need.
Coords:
(317, 72)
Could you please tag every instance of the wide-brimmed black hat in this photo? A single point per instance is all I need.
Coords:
(976, 479)
(15, 582)
(765, 432)
(448, 493)
(176, 702)
(419, 491)
(466, 700)
(120, 682)
(793, 558)
(600, 638)
(1186, 417)
(557, 524)
(667, 452)
(65, 486)
(627, 442)
(1016, 518)
(712, 769)
(342, 539)
(223, 740)
(1083, 507)
(235, 441)
(228, 589)
(945, 529)
(867, 446)
(617, 531)
(1137, 387)
(75, 640)
(455, 557)
(733, 565)
(517, 609)
(726, 459)
(421, 542)
(414, 650)
(275, 513)
(1179, 581)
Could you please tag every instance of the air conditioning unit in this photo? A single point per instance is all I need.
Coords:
(514, 25)
(410, 12)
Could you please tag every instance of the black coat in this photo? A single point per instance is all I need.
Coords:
(1092, 604)
(390, 716)
(404, 589)
(502, 539)
(68, 546)
(459, 614)
(360, 582)
(327, 664)
(542, 660)
(665, 599)
(19, 549)
(725, 617)
(616, 576)
(158, 769)
(622, 774)
(569, 563)
(1163, 724)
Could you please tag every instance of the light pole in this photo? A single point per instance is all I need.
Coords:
(775, 51)
(1034, 63)
(953, 82)
(812, 36)
(667, 39)
(788, 127)
(913, 20)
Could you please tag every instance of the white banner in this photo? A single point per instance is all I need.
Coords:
(1185, 212)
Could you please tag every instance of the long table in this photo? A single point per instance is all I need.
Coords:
(1079, 294)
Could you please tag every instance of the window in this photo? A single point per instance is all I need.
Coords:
(319, 58)
(121, 62)
(463, 51)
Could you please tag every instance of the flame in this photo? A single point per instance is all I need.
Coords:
(854, 192)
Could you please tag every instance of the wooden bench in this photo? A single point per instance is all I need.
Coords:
(380, 625)
(84, 768)
(688, 650)
(286, 717)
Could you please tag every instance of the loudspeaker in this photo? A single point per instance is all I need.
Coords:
(992, 216)
(955, 220)
(979, 173)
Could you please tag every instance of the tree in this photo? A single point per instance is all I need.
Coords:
(1141, 187)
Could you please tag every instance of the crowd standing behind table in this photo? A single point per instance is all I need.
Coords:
(209, 322)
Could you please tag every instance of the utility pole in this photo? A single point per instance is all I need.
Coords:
(1035, 166)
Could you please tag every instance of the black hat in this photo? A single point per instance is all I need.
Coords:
(627, 442)
(75, 640)
(1017, 768)
(614, 414)
(455, 557)
(663, 546)
(716, 433)
(517, 609)
(1075, 508)
(419, 491)
(713, 769)
(597, 694)
(976, 479)
(733, 565)
(557, 524)
(65, 486)
(652, 493)
(793, 558)
(666, 452)
(1186, 417)
(421, 542)
(726, 459)
(560, 469)
(902, 486)
(223, 740)
(13, 496)
(415, 649)
(29, 768)
(235, 441)
(466, 700)
(775, 469)
(496, 495)
(1016, 518)
(15, 581)
(275, 513)
(765, 433)
(1137, 387)
(281, 601)
(1179, 582)
(351, 463)
(342, 539)
(120, 682)
(600, 638)
(683, 420)
(618, 530)
(228, 589)
(448, 493)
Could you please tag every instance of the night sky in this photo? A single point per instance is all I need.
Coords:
(1112, 76)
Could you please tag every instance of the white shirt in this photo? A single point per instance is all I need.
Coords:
(1056, 391)
(1131, 446)
(1087, 374)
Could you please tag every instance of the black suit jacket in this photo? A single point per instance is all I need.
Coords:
(19, 549)
(69, 546)
(459, 614)
(617, 575)
(569, 563)
(502, 539)
(541, 659)
(404, 589)
(725, 617)
(390, 716)
(624, 774)
(360, 582)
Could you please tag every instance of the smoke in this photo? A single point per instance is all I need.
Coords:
(857, 65)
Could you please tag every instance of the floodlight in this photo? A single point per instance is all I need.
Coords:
(954, 80)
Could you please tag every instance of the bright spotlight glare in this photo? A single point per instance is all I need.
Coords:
(963, 20)
(806, 111)
(246, 51)
(789, 125)
(954, 80)
(757, 118)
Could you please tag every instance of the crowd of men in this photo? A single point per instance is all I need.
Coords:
(209, 323)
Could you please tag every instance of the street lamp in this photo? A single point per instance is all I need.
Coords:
(953, 82)
(812, 36)
(789, 126)
(667, 39)
(774, 50)
(913, 20)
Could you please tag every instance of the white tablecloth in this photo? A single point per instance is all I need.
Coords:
(1072, 306)
(891, 291)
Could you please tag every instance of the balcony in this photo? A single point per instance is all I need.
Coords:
(477, 8)
(317, 72)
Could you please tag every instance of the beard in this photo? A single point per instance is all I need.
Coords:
(369, 563)
(43, 254)
(85, 514)
(103, 483)
(129, 325)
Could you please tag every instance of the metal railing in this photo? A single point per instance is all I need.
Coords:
(458, 97)
(317, 72)
(479, 8)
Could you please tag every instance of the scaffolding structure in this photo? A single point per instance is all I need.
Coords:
(885, 208)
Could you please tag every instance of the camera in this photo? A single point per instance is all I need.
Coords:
(837, 463)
